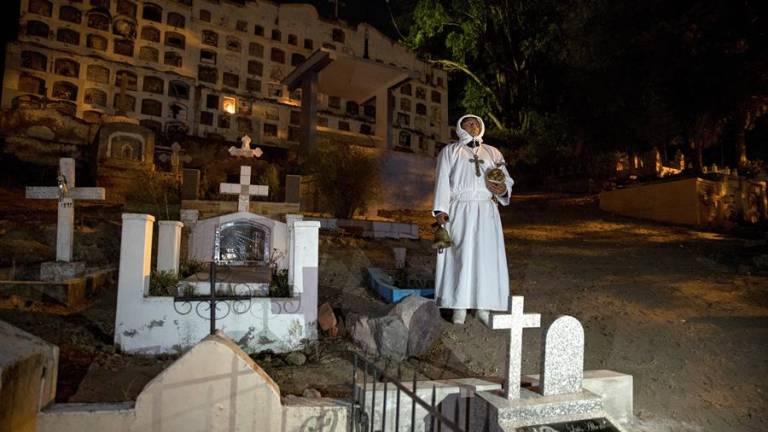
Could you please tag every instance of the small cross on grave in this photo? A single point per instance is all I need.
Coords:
(477, 161)
(65, 193)
(514, 321)
(245, 149)
(244, 190)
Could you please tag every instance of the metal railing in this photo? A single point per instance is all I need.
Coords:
(362, 421)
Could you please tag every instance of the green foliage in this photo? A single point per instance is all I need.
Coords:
(156, 193)
(188, 268)
(188, 290)
(278, 284)
(163, 283)
(347, 178)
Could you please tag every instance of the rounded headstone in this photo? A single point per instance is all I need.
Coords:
(562, 359)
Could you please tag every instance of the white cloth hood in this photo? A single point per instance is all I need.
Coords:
(464, 136)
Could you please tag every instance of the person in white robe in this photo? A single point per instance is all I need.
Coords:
(472, 273)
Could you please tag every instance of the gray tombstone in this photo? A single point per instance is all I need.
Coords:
(562, 357)
(190, 182)
(293, 189)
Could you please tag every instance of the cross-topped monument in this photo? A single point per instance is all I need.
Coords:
(514, 321)
(65, 193)
(244, 190)
(245, 149)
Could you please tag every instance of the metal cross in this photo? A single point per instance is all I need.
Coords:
(477, 161)
(514, 321)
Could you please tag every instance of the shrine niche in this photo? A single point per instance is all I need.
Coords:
(64, 90)
(34, 60)
(154, 84)
(244, 125)
(125, 146)
(31, 84)
(37, 28)
(66, 67)
(151, 34)
(96, 73)
(96, 42)
(95, 97)
(68, 36)
(98, 19)
(178, 111)
(172, 58)
(147, 53)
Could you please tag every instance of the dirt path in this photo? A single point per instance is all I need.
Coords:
(674, 307)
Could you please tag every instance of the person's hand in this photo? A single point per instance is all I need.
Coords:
(496, 188)
(441, 218)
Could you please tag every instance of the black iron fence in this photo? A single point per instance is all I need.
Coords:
(363, 417)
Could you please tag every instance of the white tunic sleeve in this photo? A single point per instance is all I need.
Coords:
(442, 182)
(504, 199)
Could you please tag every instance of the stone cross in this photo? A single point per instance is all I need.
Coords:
(244, 189)
(245, 149)
(477, 161)
(514, 321)
(562, 357)
(65, 193)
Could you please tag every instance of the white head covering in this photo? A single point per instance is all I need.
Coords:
(464, 136)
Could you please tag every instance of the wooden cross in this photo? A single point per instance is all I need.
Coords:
(514, 321)
(65, 193)
(244, 189)
(477, 161)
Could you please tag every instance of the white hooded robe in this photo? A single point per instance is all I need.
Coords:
(472, 273)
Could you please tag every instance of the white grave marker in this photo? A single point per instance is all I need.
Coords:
(65, 193)
(562, 357)
(514, 321)
(245, 149)
(244, 190)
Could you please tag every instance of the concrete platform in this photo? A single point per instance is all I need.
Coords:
(71, 292)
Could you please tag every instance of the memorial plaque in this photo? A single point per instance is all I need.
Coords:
(601, 424)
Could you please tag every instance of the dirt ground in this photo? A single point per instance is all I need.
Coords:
(684, 311)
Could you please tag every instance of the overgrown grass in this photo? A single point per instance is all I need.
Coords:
(163, 283)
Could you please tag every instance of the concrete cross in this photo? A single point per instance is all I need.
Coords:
(514, 321)
(244, 189)
(245, 149)
(65, 193)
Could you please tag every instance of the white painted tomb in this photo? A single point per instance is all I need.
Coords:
(214, 386)
(154, 324)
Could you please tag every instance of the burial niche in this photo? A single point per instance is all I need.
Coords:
(126, 146)
(242, 242)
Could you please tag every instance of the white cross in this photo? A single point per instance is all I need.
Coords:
(245, 149)
(244, 189)
(65, 193)
(514, 321)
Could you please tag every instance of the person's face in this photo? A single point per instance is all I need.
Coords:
(472, 126)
